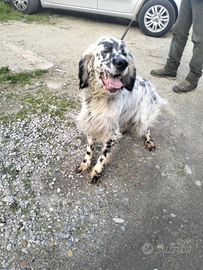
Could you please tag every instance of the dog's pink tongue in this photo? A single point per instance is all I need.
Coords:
(114, 82)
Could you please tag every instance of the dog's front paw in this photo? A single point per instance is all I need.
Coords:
(149, 144)
(82, 168)
(95, 176)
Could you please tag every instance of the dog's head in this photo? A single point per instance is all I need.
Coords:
(108, 63)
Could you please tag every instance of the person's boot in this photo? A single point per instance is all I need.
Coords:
(184, 87)
(162, 73)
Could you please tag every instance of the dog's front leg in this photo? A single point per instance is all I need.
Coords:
(89, 154)
(149, 144)
(102, 160)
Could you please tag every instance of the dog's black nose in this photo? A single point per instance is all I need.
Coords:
(121, 63)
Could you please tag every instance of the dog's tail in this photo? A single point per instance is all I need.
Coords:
(165, 107)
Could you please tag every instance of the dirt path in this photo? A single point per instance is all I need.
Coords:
(161, 193)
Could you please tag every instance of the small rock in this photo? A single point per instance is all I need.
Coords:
(160, 246)
(5, 265)
(54, 85)
(198, 183)
(187, 169)
(118, 220)
(70, 253)
(77, 239)
(157, 166)
(61, 235)
(7, 165)
(68, 244)
(9, 247)
(123, 228)
(91, 216)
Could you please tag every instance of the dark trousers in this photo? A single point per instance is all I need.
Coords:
(191, 13)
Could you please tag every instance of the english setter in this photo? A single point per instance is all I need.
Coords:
(114, 100)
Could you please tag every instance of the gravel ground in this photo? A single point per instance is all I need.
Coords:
(45, 206)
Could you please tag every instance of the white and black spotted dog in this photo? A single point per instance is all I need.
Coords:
(114, 100)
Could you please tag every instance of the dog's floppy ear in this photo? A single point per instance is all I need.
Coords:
(85, 67)
(129, 79)
(83, 73)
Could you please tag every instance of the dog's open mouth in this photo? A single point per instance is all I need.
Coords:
(112, 84)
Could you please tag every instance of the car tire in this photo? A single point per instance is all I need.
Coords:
(156, 18)
(25, 6)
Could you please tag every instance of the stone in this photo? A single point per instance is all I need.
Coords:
(118, 220)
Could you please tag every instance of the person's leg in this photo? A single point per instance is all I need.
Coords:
(179, 40)
(196, 63)
(180, 35)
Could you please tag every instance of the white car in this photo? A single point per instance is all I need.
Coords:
(155, 17)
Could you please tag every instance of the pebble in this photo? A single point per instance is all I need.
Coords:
(198, 183)
(9, 247)
(187, 169)
(123, 228)
(118, 220)
(5, 265)
(68, 244)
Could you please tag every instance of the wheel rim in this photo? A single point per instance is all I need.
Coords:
(21, 4)
(156, 18)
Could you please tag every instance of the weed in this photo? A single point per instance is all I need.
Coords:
(22, 77)
(78, 137)
(181, 169)
(4, 118)
(14, 207)
(65, 149)
(12, 172)
(27, 183)
(4, 70)
(70, 124)
(26, 210)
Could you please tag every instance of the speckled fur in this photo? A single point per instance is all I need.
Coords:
(105, 113)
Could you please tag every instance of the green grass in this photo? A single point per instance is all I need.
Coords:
(4, 118)
(27, 183)
(4, 70)
(38, 101)
(22, 77)
(14, 207)
(12, 172)
(8, 13)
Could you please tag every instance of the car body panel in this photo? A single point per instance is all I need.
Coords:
(124, 6)
(116, 8)
(71, 3)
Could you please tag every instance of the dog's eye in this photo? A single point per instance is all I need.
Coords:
(105, 51)
(124, 53)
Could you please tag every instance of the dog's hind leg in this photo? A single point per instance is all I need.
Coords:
(149, 144)
(89, 154)
(102, 161)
